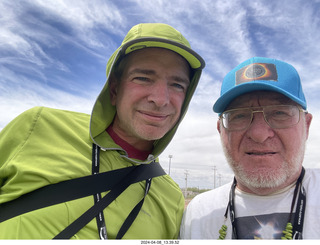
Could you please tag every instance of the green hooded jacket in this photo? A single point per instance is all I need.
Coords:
(43, 146)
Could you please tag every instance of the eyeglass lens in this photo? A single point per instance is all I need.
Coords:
(281, 116)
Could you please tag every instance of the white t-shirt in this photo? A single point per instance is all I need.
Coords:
(257, 217)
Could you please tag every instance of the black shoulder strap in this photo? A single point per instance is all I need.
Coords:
(133, 214)
(73, 189)
(142, 172)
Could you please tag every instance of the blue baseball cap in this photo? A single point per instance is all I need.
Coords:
(260, 73)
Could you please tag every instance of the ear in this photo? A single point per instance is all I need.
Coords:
(218, 126)
(308, 118)
(113, 88)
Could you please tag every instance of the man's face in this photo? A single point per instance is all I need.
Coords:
(149, 96)
(261, 157)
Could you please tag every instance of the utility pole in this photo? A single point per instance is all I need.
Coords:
(170, 157)
(214, 176)
(219, 178)
(186, 188)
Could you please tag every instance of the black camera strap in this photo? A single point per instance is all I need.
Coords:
(114, 181)
(102, 229)
(139, 173)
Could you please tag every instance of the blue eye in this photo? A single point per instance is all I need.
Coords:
(280, 114)
(236, 116)
(178, 86)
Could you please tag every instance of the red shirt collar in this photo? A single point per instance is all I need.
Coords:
(132, 152)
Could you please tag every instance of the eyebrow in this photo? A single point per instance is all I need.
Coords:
(142, 71)
(152, 72)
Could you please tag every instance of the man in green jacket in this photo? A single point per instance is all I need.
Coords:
(151, 78)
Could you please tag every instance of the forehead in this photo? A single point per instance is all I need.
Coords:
(153, 57)
(260, 98)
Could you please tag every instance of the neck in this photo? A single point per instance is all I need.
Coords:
(138, 143)
(132, 151)
(265, 191)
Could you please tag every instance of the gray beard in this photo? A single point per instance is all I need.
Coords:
(266, 179)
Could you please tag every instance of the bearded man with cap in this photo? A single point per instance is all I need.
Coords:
(151, 78)
(263, 125)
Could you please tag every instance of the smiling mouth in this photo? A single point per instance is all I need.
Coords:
(260, 153)
(155, 116)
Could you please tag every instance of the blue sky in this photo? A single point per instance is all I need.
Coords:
(54, 53)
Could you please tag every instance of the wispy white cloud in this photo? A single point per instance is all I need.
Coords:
(22, 94)
(86, 19)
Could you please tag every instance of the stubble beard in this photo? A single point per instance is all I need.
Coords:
(271, 178)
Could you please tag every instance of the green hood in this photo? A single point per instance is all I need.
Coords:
(143, 36)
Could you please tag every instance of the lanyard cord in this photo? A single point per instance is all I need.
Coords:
(300, 208)
(299, 214)
(97, 197)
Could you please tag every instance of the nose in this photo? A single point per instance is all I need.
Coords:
(159, 94)
(259, 130)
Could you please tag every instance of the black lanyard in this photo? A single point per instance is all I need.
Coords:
(97, 197)
(300, 208)
(299, 214)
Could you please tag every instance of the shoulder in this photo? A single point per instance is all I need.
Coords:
(165, 190)
(166, 186)
(24, 119)
(205, 214)
(312, 174)
(43, 121)
(43, 146)
(312, 178)
(311, 184)
(32, 116)
(213, 199)
(58, 114)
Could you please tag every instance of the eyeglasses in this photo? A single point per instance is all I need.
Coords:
(276, 116)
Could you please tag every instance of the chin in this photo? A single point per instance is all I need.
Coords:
(263, 179)
(267, 178)
(151, 136)
(151, 133)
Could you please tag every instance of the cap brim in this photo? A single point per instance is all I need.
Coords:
(195, 60)
(222, 103)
